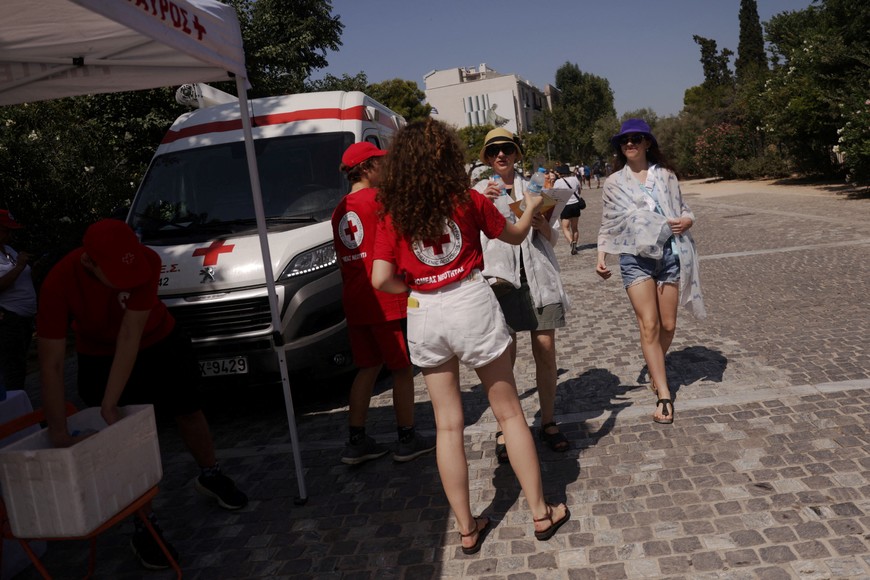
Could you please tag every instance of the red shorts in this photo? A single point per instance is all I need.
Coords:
(375, 344)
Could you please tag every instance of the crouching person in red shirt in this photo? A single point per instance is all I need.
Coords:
(129, 351)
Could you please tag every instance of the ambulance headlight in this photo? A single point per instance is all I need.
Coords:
(313, 260)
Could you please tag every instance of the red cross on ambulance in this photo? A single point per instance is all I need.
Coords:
(210, 254)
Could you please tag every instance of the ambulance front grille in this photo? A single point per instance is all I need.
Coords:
(227, 318)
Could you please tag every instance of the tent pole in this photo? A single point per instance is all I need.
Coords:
(270, 281)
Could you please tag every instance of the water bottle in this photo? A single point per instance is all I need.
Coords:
(502, 202)
(536, 183)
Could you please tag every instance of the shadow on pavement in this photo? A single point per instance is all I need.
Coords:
(692, 364)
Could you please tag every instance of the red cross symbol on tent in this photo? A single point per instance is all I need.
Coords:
(211, 253)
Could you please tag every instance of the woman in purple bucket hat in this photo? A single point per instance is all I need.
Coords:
(646, 223)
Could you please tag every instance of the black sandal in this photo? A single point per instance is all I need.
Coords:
(480, 534)
(545, 535)
(664, 403)
(555, 441)
(500, 449)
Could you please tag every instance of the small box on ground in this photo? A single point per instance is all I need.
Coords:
(70, 492)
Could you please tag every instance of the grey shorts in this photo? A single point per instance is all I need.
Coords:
(521, 315)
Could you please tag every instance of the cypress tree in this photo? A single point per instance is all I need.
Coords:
(750, 50)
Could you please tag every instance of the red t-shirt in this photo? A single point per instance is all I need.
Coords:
(354, 229)
(435, 263)
(73, 295)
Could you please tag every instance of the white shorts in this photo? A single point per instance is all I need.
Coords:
(462, 319)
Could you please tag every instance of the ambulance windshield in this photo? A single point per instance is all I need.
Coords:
(198, 192)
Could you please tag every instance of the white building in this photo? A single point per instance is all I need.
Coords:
(465, 97)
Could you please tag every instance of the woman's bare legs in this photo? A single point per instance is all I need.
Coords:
(570, 230)
(546, 374)
(498, 382)
(512, 350)
(442, 383)
(656, 333)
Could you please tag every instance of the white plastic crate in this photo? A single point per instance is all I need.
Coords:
(70, 492)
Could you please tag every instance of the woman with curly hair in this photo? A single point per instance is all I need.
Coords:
(430, 235)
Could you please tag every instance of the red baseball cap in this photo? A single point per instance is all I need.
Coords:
(114, 247)
(7, 221)
(359, 152)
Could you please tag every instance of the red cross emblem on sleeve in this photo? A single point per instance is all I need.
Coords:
(210, 254)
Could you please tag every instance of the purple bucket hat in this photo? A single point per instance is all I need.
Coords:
(633, 126)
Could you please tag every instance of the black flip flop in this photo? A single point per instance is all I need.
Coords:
(665, 412)
(481, 533)
(500, 449)
(545, 535)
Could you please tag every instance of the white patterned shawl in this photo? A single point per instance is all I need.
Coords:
(630, 225)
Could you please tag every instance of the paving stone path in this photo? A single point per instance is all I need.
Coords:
(765, 473)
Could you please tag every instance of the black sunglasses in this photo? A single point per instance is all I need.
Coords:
(635, 139)
(506, 148)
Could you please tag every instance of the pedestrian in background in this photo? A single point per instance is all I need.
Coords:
(646, 222)
(17, 308)
(374, 319)
(431, 235)
(534, 299)
(570, 216)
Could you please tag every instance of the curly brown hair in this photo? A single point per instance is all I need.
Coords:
(423, 179)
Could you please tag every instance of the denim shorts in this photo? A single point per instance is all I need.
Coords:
(665, 270)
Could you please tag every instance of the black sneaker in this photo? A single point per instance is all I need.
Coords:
(365, 450)
(413, 449)
(221, 488)
(146, 548)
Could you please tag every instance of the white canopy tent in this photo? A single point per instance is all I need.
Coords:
(60, 48)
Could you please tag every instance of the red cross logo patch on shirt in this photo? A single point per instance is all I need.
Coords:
(350, 230)
(443, 249)
(210, 254)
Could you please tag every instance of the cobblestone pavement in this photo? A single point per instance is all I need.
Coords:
(765, 473)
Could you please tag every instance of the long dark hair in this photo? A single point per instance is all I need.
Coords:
(653, 155)
(423, 179)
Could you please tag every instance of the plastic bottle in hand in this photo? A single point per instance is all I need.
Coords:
(536, 183)
(502, 202)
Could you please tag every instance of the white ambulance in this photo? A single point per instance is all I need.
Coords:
(194, 208)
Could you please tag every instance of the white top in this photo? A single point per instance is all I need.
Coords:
(569, 182)
(539, 260)
(19, 298)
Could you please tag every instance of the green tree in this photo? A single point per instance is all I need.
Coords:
(404, 97)
(473, 138)
(285, 42)
(359, 82)
(715, 63)
(819, 84)
(585, 98)
(751, 58)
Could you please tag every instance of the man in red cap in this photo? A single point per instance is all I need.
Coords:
(129, 351)
(374, 318)
(17, 308)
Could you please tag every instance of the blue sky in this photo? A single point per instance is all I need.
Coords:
(644, 48)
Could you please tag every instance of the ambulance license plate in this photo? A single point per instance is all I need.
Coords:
(223, 366)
